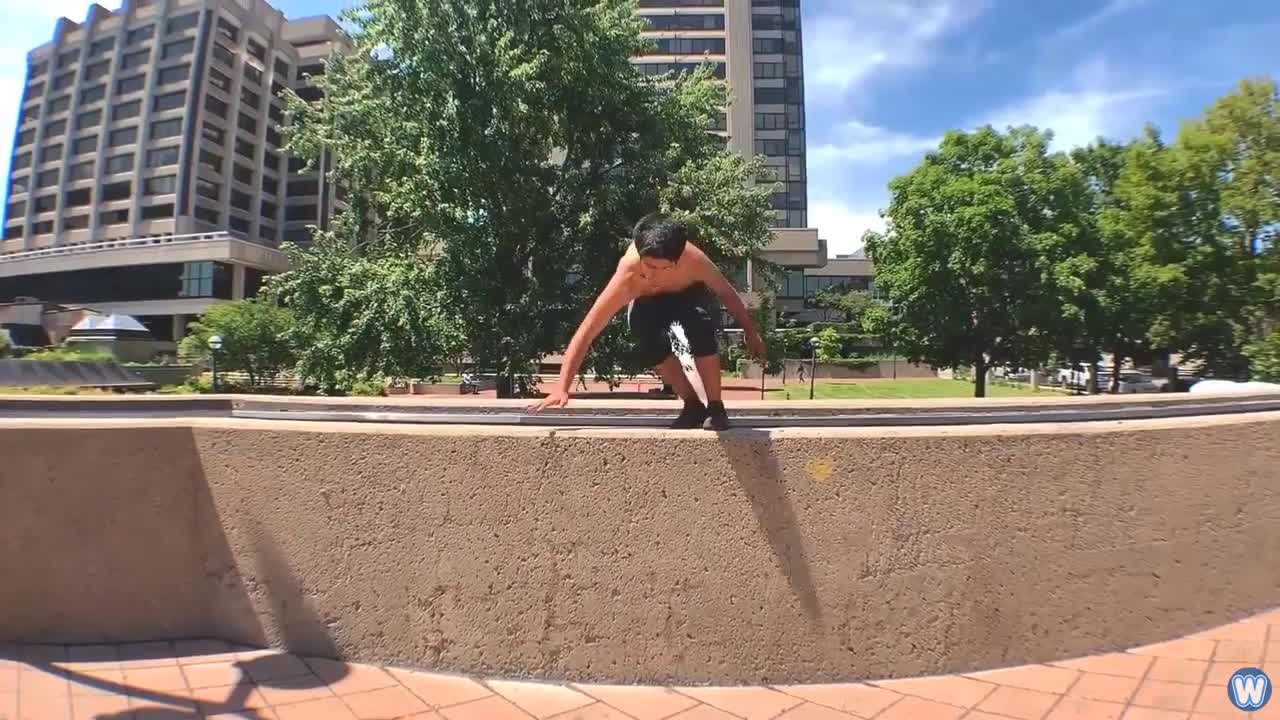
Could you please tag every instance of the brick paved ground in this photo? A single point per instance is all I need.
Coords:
(1184, 679)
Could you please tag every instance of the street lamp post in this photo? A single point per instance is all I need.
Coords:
(813, 364)
(215, 344)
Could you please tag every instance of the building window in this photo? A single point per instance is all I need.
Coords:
(166, 128)
(82, 171)
(300, 213)
(163, 185)
(120, 164)
(182, 22)
(157, 212)
(771, 121)
(208, 189)
(270, 185)
(33, 92)
(96, 70)
(26, 137)
(220, 81)
(84, 145)
(297, 164)
(100, 46)
(276, 114)
(64, 81)
(770, 70)
(49, 153)
(123, 136)
(126, 110)
(242, 173)
(266, 232)
(130, 85)
(175, 74)
(18, 185)
(79, 222)
(707, 21)
(228, 31)
(215, 106)
(30, 114)
(169, 101)
(273, 137)
(117, 191)
(177, 48)
(239, 224)
(245, 148)
(252, 74)
(211, 160)
(42, 228)
(62, 104)
(113, 217)
(46, 203)
(303, 188)
(197, 278)
(249, 97)
(313, 70)
(310, 94)
(207, 215)
(299, 236)
(90, 119)
(223, 55)
(268, 210)
(248, 124)
(22, 160)
(688, 46)
(48, 178)
(257, 50)
(241, 200)
(282, 69)
(135, 59)
(76, 198)
(55, 128)
(160, 157)
(93, 94)
(212, 133)
(37, 69)
(138, 35)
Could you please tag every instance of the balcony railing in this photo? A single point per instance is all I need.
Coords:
(127, 243)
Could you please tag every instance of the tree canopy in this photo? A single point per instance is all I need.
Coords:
(505, 148)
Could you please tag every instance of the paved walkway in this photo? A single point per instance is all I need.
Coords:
(1184, 679)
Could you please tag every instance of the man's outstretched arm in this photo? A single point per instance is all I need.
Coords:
(614, 297)
(720, 285)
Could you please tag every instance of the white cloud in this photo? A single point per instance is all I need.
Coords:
(844, 49)
(842, 226)
(1092, 105)
(858, 143)
(1103, 14)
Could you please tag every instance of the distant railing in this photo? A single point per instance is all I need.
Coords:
(136, 242)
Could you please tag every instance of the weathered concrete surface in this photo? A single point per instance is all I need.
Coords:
(655, 556)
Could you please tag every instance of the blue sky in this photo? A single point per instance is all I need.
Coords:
(885, 78)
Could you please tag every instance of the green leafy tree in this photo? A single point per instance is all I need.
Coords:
(1264, 358)
(254, 338)
(984, 261)
(1228, 168)
(6, 344)
(852, 305)
(513, 145)
(829, 344)
(361, 317)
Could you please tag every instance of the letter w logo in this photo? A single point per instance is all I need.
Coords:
(1250, 690)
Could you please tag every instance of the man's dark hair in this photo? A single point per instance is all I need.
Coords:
(658, 236)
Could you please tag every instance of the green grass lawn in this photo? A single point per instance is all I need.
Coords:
(896, 389)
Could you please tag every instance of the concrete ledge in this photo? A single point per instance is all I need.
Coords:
(641, 556)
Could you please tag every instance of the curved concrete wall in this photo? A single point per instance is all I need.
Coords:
(792, 556)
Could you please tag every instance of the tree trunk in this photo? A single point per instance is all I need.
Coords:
(980, 376)
(1092, 381)
(1117, 359)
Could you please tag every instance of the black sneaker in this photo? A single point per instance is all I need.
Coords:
(717, 418)
(691, 417)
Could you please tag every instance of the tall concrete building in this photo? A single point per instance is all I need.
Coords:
(758, 49)
(147, 176)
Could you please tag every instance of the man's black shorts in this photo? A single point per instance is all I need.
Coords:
(695, 308)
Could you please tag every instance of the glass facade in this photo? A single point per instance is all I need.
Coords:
(778, 85)
(168, 281)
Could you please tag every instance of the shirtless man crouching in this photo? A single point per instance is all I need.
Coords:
(663, 278)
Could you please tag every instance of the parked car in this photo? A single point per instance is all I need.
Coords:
(1136, 383)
